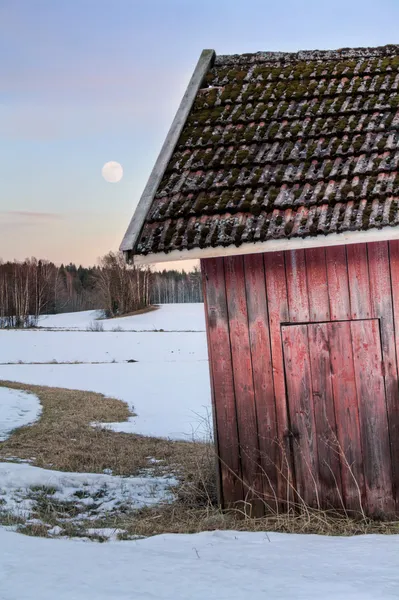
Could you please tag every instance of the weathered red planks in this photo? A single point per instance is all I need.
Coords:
(324, 415)
(359, 285)
(297, 288)
(317, 286)
(373, 417)
(393, 407)
(338, 285)
(348, 444)
(262, 373)
(382, 306)
(276, 290)
(300, 401)
(394, 269)
(243, 380)
(383, 294)
(222, 380)
(338, 408)
(219, 485)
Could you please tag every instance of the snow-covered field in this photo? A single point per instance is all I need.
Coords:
(81, 346)
(168, 388)
(206, 566)
(187, 317)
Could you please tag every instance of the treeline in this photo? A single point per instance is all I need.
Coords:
(174, 286)
(34, 287)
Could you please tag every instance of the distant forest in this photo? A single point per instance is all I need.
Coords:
(34, 287)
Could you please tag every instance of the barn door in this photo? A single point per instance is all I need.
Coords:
(338, 416)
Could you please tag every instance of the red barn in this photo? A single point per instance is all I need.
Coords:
(280, 173)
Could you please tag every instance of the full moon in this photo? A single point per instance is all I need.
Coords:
(112, 171)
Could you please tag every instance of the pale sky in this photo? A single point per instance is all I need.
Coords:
(84, 82)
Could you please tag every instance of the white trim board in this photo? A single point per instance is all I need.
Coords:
(319, 241)
(136, 224)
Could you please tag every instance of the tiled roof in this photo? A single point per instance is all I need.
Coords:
(281, 145)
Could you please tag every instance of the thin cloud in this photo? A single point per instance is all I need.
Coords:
(36, 216)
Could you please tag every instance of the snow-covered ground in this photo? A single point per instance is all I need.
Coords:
(93, 494)
(81, 346)
(206, 566)
(169, 317)
(16, 410)
(168, 387)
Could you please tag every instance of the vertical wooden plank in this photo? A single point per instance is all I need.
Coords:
(359, 285)
(258, 320)
(347, 415)
(300, 401)
(324, 415)
(394, 269)
(338, 285)
(393, 408)
(276, 291)
(243, 380)
(222, 377)
(298, 301)
(382, 292)
(317, 284)
(210, 362)
(373, 417)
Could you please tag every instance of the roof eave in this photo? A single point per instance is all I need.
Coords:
(271, 245)
(136, 224)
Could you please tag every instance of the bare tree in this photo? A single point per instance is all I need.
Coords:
(123, 288)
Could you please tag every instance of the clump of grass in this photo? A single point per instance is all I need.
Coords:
(8, 519)
(34, 529)
(43, 489)
(178, 518)
(95, 326)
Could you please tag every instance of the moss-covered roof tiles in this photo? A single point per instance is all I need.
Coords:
(281, 145)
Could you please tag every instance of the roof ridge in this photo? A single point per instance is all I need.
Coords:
(338, 54)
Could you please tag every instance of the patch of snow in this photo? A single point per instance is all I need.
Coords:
(94, 494)
(56, 530)
(75, 320)
(170, 399)
(206, 566)
(169, 317)
(17, 409)
(16, 459)
(81, 346)
(105, 532)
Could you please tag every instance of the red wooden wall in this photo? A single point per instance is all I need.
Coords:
(304, 373)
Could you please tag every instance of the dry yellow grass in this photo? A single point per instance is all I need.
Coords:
(63, 438)
(179, 518)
